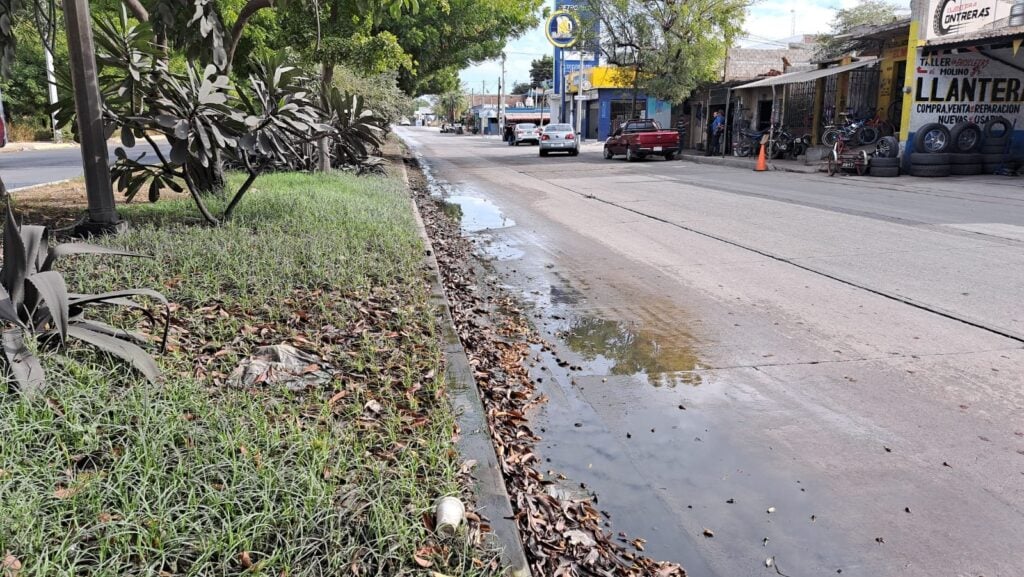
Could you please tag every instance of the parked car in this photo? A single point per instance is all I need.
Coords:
(640, 138)
(455, 128)
(3, 123)
(526, 132)
(559, 138)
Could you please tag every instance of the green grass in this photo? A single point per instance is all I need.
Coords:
(109, 475)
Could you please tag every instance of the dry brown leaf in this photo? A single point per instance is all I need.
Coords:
(422, 557)
(245, 559)
(65, 492)
(11, 565)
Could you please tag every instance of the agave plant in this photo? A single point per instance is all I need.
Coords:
(36, 306)
(358, 131)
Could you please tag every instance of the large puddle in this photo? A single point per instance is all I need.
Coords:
(475, 214)
(628, 348)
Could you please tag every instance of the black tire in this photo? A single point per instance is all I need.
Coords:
(888, 147)
(971, 158)
(940, 159)
(829, 137)
(517, 143)
(993, 148)
(543, 152)
(992, 168)
(932, 138)
(867, 135)
(608, 153)
(929, 170)
(833, 166)
(991, 136)
(886, 171)
(575, 152)
(883, 162)
(670, 156)
(993, 158)
(630, 156)
(966, 169)
(965, 137)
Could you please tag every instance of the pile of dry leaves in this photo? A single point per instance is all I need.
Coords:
(562, 535)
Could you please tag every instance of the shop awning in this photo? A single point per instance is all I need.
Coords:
(509, 116)
(805, 76)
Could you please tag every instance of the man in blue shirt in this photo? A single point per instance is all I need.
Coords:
(717, 129)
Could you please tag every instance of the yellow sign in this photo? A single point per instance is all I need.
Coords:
(562, 29)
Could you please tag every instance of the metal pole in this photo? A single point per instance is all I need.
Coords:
(725, 131)
(100, 193)
(51, 92)
(501, 98)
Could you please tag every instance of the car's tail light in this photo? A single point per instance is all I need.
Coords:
(545, 137)
(569, 136)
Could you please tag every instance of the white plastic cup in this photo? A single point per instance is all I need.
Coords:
(448, 513)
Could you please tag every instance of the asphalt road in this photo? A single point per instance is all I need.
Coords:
(31, 167)
(845, 353)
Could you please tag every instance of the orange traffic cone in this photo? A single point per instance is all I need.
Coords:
(762, 162)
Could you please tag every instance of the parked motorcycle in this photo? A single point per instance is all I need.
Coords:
(780, 142)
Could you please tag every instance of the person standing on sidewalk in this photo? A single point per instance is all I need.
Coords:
(681, 131)
(717, 129)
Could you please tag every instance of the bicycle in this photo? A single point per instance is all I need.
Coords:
(856, 131)
(883, 126)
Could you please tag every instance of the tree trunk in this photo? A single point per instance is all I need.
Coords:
(324, 144)
(208, 180)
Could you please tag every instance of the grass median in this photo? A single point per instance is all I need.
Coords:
(109, 475)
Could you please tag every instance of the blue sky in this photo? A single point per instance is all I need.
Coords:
(767, 20)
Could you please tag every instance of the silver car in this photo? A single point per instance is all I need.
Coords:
(559, 138)
(526, 132)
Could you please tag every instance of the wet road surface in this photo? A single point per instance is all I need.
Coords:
(844, 352)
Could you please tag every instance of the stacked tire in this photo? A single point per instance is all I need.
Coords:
(997, 134)
(885, 162)
(929, 157)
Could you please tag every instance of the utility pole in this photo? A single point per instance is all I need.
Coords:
(102, 218)
(501, 97)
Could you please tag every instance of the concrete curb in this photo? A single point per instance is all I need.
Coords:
(40, 185)
(748, 164)
(475, 442)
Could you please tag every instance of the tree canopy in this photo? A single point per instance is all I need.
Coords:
(542, 70)
(673, 46)
(839, 40)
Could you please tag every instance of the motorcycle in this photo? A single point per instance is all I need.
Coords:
(780, 142)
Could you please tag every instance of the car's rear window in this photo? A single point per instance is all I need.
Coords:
(559, 128)
(525, 125)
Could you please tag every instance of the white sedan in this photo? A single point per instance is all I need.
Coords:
(559, 138)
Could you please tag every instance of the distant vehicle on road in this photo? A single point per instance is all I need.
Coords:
(640, 138)
(559, 138)
(404, 122)
(526, 132)
(452, 128)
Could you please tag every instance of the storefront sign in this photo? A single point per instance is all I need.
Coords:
(562, 29)
(967, 87)
(955, 17)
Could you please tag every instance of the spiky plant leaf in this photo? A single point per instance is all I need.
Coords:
(70, 248)
(23, 365)
(137, 357)
(104, 328)
(7, 310)
(14, 270)
(53, 292)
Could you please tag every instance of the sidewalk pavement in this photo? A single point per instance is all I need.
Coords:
(748, 163)
(33, 146)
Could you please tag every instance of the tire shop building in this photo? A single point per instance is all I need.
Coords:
(964, 90)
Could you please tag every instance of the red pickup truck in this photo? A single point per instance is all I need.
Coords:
(639, 138)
